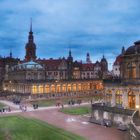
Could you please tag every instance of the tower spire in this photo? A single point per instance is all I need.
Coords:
(70, 54)
(31, 25)
(88, 60)
(10, 53)
(30, 45)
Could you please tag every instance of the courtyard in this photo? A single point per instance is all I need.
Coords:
(58, 124)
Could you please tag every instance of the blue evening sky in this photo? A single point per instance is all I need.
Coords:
(95, 26)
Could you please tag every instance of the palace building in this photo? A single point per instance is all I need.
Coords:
(53, 77)
(127, 92)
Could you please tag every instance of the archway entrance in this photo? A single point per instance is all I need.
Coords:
(131, 100)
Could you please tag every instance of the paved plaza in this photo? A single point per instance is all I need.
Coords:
(78, 125)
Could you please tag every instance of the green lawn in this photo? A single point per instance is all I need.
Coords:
(2, 105)
(19, 128)
(76, 110)
(44, 103)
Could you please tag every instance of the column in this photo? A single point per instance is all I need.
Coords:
(125, 99)
(137, 101)
(113, 100)
(60, 87)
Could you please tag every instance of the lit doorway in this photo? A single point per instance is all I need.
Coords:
(131, 100)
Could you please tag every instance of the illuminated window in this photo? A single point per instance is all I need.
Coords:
(63, 88)
(34, 89)
(119, 97)
(47, 89)
(131, 100)
(74, 87)
(58, 89)
(79, 87)
(53, 88)
(88, 86)
(69, 87)
(41, 89)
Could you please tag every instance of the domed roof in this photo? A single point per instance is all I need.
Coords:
(29, 65)
(32, 64)
(133, 49)
(103, 59)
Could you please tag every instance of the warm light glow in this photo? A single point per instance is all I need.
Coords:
(34, 89)
(137, 106)
(74, 87)
(63, 88)
(47, 89)
(41, 89)
(5, 88)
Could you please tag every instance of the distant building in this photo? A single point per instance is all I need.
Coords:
(61, 76)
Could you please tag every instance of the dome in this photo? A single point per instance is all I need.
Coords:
(103, 59)
(29, 65)
(133, 49)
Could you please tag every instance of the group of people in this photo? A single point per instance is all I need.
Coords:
(5, 109)
(23, 108)
(35, 106)
(72, 102)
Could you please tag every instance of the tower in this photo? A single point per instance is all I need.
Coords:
(10, 55)
(123, 50)
(30, 46)
(70, 65)
(88, 59)
(104, 64)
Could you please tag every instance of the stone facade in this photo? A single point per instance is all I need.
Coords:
(126, 93)
(55, 88)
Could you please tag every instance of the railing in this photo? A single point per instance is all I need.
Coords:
(115, 110)
(134, 131)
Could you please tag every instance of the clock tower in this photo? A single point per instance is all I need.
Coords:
(30, 46)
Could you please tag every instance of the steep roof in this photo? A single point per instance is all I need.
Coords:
(118, 60)
(52, 64)
(88, 67)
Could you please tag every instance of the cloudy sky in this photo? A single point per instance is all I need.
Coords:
(95, 26)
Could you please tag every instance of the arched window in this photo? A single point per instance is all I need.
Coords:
(74, 87)
(53, 88)
(58, 88)
(131, 70)
(64, 88)
(131, 100)
(69, 87)
(47, 88)
(118, 97)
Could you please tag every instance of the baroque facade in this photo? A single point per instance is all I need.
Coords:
(127, 92)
